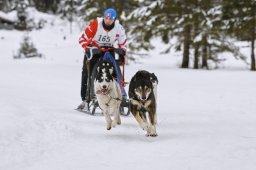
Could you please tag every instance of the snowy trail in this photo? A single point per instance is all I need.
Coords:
(206, 119)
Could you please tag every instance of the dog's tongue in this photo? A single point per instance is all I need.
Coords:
(104, 91)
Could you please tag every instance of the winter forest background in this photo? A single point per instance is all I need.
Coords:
(203, 29)
(202, 52)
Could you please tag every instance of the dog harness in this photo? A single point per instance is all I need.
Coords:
(142, 105)
(101, 92)
(107, 104)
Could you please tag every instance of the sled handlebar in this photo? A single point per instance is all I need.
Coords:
(91, 48)
(90, 52)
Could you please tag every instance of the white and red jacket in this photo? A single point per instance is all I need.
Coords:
(95, 33)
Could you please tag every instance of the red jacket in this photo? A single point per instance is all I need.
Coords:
(95, 33)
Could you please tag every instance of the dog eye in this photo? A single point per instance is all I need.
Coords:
(138, 90)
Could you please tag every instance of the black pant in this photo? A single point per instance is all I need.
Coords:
(85, 75)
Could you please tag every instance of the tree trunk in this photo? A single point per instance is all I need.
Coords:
(196, 33)
(204, 52)
(186, 45)
(5, 5)
(253, 68)
(71, 14)
(196, 55)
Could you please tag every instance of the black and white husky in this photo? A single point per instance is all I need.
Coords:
(108, 93)
(142, 94)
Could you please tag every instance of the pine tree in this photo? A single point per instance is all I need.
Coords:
(7, 5)
(196, 24)
(21, 7)
(46, 5)
(164, 18)
(240, 19)
(27, 49)
(91, 9)
(68, 9)
(200, 23)
(145, 23)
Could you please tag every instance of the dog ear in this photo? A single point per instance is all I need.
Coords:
(152, 75)
(111, 70)
(134, 79)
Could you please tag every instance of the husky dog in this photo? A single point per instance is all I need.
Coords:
(142, 93)
(108, 93)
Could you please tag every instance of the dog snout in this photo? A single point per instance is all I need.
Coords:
(143, 97)
(104, 86)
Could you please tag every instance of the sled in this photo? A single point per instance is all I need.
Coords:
(90, 94)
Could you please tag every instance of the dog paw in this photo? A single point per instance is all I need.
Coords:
(151, 131)
(145, 127)
(114, 123)
(119, 122)
(151, 135)
(108, 126)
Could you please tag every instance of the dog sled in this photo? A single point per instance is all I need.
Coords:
(93, 105)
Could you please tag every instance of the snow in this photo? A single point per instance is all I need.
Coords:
(206, 119)
(9, 17)
(32, 14)
(36, 16)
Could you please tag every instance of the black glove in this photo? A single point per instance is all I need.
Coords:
(96, 51)
(121, 54)
(120, 51)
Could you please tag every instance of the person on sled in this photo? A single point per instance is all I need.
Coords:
(101, 33)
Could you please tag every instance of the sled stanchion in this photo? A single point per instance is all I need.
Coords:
(123, 68)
